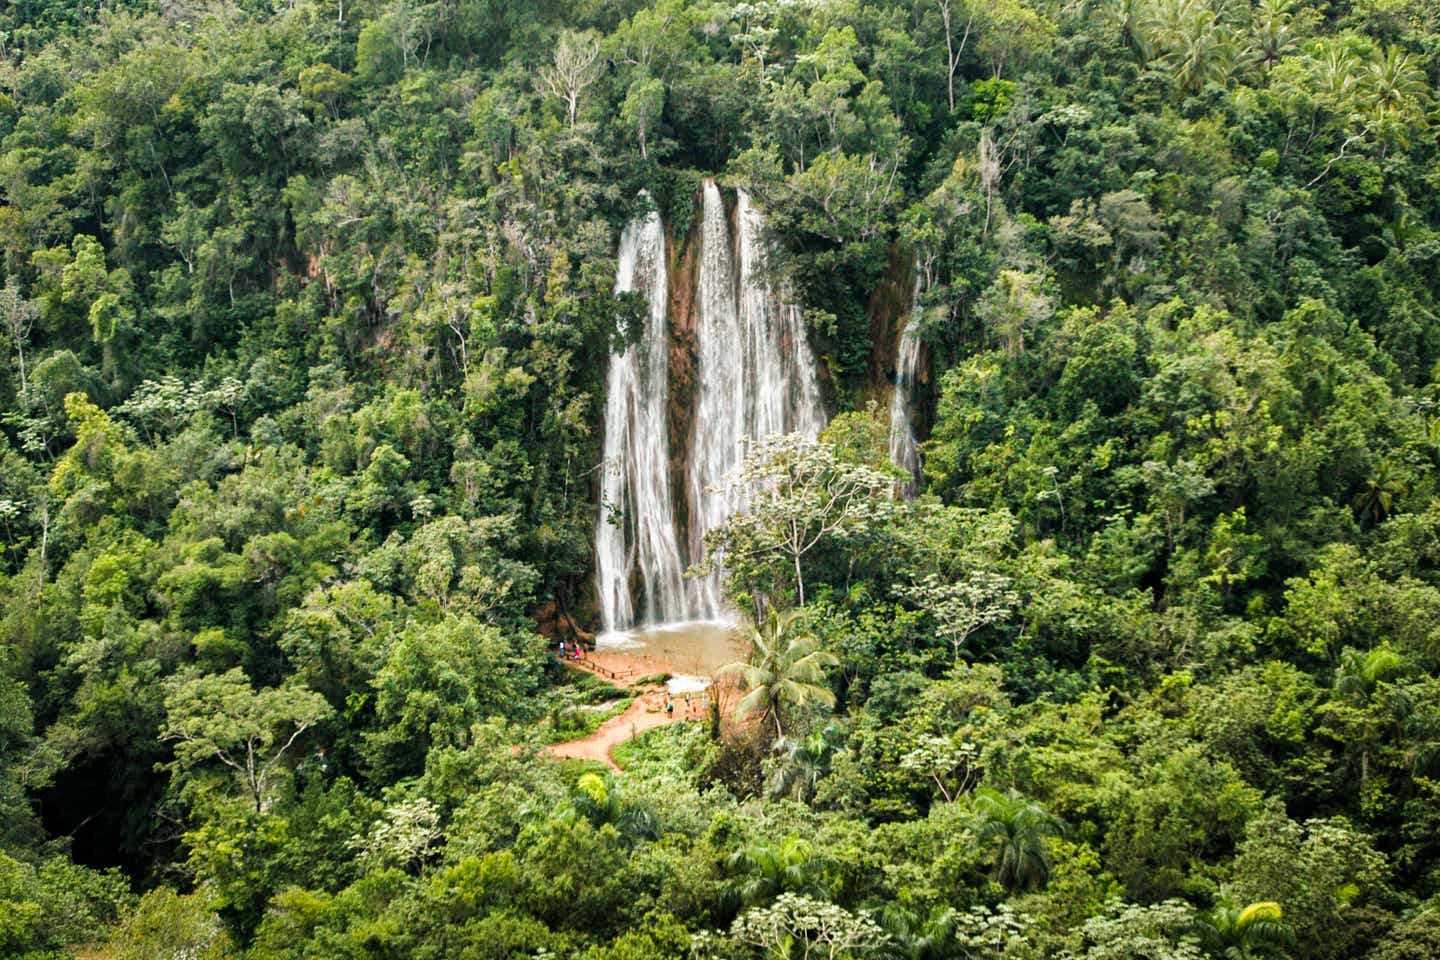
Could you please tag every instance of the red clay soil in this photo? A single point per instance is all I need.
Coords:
(646, 712)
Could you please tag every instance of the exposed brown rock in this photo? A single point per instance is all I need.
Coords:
(889, 306)
(683, 253)
(552, 624)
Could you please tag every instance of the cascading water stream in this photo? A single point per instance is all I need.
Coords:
(784, 381)
(904, 449)
(722, 376)
(635, 483)
(756, 374)
(755, 377)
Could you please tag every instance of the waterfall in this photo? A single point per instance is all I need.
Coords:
(904, 450)
(756, 373)
(720, 409)
(755, 376)
(784, 382)
(635, 480)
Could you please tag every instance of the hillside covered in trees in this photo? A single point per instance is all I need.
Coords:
(306, 313)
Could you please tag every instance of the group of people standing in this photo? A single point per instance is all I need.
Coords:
(693, 703)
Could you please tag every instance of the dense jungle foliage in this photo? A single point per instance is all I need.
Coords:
(306, 309)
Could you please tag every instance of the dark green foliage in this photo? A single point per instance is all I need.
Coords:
(305, 311)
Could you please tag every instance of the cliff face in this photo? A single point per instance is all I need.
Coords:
(683, 262)
(888, 310)
(735, 368)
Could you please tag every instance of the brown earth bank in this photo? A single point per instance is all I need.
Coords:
(553, 624)
(646, 711)
(688, 652)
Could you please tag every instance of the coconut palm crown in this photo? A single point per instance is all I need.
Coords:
(786, 670)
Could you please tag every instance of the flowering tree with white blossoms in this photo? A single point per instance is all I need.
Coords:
(796, 926)
(795, 493)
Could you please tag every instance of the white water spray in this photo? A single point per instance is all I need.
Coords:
(784, 381)
(904, 449)
(756, 374)
(755, 377)
(721, 377)
(635, 483)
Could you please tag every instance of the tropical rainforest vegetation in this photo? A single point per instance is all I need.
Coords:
(306, 312)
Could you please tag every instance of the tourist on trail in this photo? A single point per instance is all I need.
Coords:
(562, 649)
(669, 709)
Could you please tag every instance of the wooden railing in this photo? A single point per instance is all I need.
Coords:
(584, 661)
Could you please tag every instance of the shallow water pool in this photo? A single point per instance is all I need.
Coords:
(690, 651)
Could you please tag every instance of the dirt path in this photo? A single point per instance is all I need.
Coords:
(646, 712)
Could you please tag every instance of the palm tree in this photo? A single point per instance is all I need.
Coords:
(805, 762)
(1256, 932)
(764, 871)
(1360, 673)
(1196, 45)
(1394, 90)
(916, 937)
(601, 800)
(1395, 82)
(1274, 31)
(1335, 73)
(786, 669)
(1128, 17)
(1017, 829)
(1356, 680)
(1377, 498)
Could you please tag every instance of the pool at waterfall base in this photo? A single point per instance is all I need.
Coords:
(691, 651)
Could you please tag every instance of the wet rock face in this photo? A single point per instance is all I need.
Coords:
(683, 251)
(889, 305)
(729, 362)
